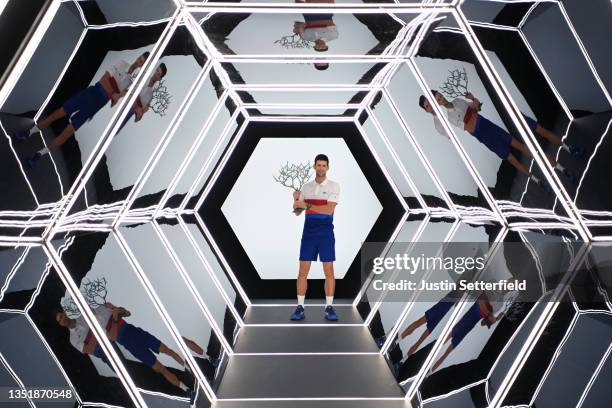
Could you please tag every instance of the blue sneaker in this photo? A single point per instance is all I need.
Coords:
(330, 314)
(577, 151)
(21, 135)
(31, 162)
(298, 314)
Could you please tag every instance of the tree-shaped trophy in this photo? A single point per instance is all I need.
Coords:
(94, 293)
(294, 176)
(456, 84)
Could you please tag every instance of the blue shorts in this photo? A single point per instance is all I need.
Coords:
(139, 342)
(434, 314)
(467, 323)
(494, 137)
(84, 105)
(321, 244)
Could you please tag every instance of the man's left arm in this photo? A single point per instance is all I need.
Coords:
(324, 209)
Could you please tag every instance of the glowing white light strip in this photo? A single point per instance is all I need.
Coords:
(221, 141)
(409, 304)
(396, 159)
(16, 378)
(224, 263)
(585, 54)
(491, 25)
(594, 376)
(209, 270)
(194, 292)
(417, 148)
(94, 326)
(555, 356)
(81, 14)
(526, 16)
(300, 106)
(297, 87)
(164, 141)
(312, 399)
(340, 353)
(112, 128)
(521, 124)
(54, 358)
(3, 4)
(591, 158)
(304, 325)
(551, 85)
(455, 140)
(536, 332)
(460, 307)
(10, 142)
(374, 309)
(163, 313)
(24, 58)
(453, 392)
(317, 119)
(13, 271)
(317, 8)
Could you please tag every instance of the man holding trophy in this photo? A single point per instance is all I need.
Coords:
(318, 198)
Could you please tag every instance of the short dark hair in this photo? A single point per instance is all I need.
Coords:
(164, 69)
(146, 54)
(55, 311)
(321, 66)
(422, 100)
(321, 157)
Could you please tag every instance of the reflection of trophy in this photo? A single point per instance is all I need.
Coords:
(294, 176)
(94, 293)
(456, 84)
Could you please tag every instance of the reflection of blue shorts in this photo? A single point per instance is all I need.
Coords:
(434, 314)
(84, 105)
(315, 17)
(139, 342)
(321, 242)
(467, 323)
(494, 137)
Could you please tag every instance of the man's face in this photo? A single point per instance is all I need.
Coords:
(320, 45)
(321, 168)
(158, 74)
(440, 98)
(141, 60)
(427, 106)
(62, 319)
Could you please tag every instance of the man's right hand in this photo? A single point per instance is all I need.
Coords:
(300, 204)
(296, 195)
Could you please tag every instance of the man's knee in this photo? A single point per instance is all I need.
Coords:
(328, 268)
(157, 367)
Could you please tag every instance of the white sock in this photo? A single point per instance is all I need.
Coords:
(43, 151)
(535, 179)
(301, 300)
(329, 300)
(565, 147)
(560, 167)
(183, 387)
(35, 129)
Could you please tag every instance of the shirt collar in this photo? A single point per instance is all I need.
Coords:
(321, 184)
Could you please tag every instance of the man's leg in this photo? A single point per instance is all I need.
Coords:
(413, 326)
(193, 346)
(442, 358)
(168, 351)
(58, 113)
(302, 281)
(416, 345)
(173, 379)
(330, 282)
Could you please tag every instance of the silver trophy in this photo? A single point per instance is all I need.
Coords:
(294, 176)
(456, 84)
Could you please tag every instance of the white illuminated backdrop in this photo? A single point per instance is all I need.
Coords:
(259, 209)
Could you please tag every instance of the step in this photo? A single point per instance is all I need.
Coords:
(348, 315)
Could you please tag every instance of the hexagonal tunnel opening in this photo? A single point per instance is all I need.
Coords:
(249, 212)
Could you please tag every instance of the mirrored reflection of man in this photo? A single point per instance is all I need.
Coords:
(82, 107)
(465, 115)
(317, 28)
(483, 311)
(140, 343)
(319, 198)
(143, 101)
